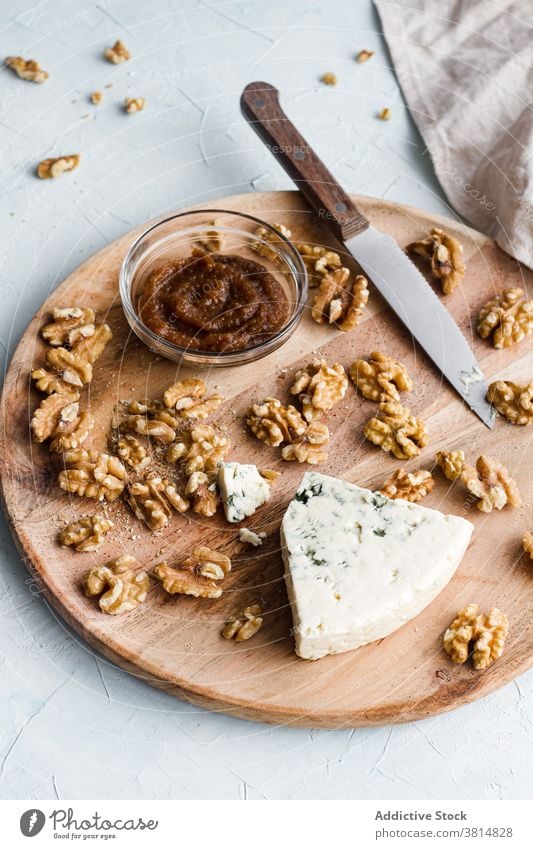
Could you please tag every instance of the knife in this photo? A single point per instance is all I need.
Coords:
(388, 267)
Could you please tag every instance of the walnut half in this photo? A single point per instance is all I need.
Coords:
(118, 53)
(87, 534)
(124, 586)
(199, 575)
(310, 447)
(487, 633)
(491, 482)
(319, 387)
(153, 501)
(396, 430)
(274, 423)
(508, 318)
(27, 69)
(339, 301)
(379, 376)
(445, 255)
(514, 401)
(451, 463)
(93, 474)
(411, 486)
(49, 169)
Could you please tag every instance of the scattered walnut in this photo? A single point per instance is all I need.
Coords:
(54, 167)
(117, 54)
(199, 450)
(154, 428)
(197, 575)
(411, 486)
(396, 430)
(512, 400)
(58, 408)
(487, 632)
(310, 448)
(364, 55)
(93, 474)
(338, 303)
(187, 399)
(68, 325)
(49, 382)
(153, 501)
(508, 317)
(267, 246)
(27, 69)
(96, 97)
(380, 376)
(270, 476)
(320, 260)
(319, 387)
(134, 104)
(125, 587)
(72, 434)
(274, 423)
(329, 78)
(451, 463)
(445, 254)
(87, 534)
(243, 625)
(212, 239)
(527, 543)
(75, 366)
(491, 482)
(132, 452)
(385, 114)
(204, 494)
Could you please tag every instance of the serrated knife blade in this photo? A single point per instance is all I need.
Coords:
(417, 306)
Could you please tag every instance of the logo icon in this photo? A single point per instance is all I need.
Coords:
(32, 822)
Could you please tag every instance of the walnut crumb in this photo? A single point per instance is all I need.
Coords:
(486, 632)
(96, 97)
(118, 53)
(49, 169)
(243, 626)
(385, 114)
(329, 78)
(27, 69)
(364, 55)
(134, 104)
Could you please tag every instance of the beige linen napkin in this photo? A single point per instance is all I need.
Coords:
(466, 71)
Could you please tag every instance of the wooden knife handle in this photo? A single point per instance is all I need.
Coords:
(261, 108)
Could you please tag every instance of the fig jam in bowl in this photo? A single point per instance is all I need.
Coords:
(213, 287)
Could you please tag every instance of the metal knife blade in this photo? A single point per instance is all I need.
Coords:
(427, 319)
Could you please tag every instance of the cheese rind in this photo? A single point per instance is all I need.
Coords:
(242, 489)
(359, 565)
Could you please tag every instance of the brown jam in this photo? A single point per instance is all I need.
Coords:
(213, 303)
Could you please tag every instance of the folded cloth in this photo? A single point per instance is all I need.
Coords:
(466, 71)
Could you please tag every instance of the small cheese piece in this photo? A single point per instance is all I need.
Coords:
(242, 489)
(246, 535)
(359, 565)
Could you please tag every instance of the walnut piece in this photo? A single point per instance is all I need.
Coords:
(269, 241)
(93, 474)
(68, 325)
(72, 434)
(451, 463)
(385, 114)
(199, 575)
(274, 423)
(319, 261)
(339, 302)
(49, 382)
(396, 430)
(132, 452)
(49, 169)
(508, 317)
(212, 239)
(118, 53)
(364, 55)
(96, 97)
(380, 376)
(187, 399)
(87, 534)
(204, 494)
(124, 586)
(243, 625)
(329, 78)
(527, 543)
(512, 400)
(59, 408)
(134, 104)
(153, 428)
(153, 501)
(27, 69)
(491, 482)
(445, 255)
(486, 631)
(201, 449)
(319, 388)
(75, 366)
(310, 448)
(411, 486)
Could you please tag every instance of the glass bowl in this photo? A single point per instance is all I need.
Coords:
(174, 238)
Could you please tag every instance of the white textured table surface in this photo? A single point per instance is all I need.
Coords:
(73, 726)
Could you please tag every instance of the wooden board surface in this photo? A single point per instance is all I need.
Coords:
(175, 643)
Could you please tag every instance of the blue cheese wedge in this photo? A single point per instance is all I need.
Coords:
(242, 490)
(359, 565)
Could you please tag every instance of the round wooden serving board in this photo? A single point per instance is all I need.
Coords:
(174, 642)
